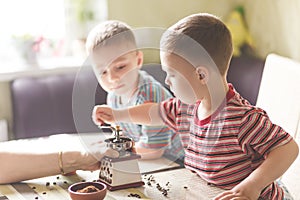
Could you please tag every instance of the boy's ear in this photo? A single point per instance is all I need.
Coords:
(140, 58)
(202, 74)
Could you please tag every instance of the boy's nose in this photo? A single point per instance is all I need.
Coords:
(112, 77)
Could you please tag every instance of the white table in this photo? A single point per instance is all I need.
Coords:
(181, 183)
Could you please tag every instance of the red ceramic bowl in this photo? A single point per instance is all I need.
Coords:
(97, 195)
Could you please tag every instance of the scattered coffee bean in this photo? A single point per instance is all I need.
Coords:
(185, 187)
(65, 182)
(44, 193)
(165, 193)
(57, 177)
(54, 183)
(151, 178)
(36, 198)
(47, 184)
(134, 195)
(163, 190)
(33, 188)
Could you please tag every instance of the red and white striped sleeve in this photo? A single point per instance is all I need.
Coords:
(258, 133)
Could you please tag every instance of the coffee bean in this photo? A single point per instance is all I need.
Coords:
(165, 194)
(134, 195)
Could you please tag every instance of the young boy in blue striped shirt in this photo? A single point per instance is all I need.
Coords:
(117, 62)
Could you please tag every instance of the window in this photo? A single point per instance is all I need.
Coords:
(46, 33)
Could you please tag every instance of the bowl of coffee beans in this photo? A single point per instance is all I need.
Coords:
(87, 191)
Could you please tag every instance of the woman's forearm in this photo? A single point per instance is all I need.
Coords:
(17, 167)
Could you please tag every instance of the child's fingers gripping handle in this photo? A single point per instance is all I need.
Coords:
(102, 114)
(106, 117)
(96, 116)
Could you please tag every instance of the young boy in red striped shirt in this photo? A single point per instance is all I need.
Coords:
(231, 144)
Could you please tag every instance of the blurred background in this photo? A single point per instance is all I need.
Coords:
(51, 33)
(46, 38)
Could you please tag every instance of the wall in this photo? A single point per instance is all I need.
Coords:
(274, 25)
(163, 13)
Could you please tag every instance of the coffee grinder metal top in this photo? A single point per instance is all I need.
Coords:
(122, 172)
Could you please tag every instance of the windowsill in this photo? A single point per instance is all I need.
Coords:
(44, 67)
(61, 62)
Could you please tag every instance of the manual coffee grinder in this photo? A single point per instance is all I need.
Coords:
(122, 172)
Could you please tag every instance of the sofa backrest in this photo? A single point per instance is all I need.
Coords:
(245, 74)
(43, 105)
(46, 105)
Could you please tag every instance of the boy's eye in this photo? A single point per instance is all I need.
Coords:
(121, 67)
(103, 73)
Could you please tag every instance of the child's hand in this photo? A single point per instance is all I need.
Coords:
(102, 114)
(147, 153)
(242, 191)
(229, 195)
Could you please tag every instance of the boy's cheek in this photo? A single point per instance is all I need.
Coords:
(105, 86)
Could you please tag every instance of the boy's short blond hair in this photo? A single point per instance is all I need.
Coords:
(208, 31)
(108, 33)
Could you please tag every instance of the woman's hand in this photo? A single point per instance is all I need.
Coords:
(91, 161)
(87, 160)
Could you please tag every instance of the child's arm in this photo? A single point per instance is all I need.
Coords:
(148, 153)
(276, 163)
(144, 114)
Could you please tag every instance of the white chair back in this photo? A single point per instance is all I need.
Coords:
(279, 92)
